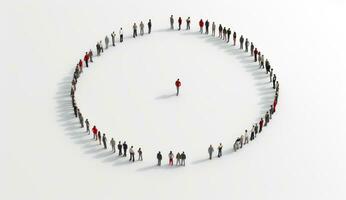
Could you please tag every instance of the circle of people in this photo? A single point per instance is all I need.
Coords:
(223, 34)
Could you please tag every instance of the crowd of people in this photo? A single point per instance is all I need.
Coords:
(225, 34)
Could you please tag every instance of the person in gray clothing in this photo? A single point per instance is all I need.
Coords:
(141, 28)
(106, 41)
(113, 38)
(112, 143)
(87, 126)
(210, 151)
(81, 120)
(213, 27)
(246, 45)
(140, 154)
(171, 20)
(188, 22)
(104, 140)
(241, 40)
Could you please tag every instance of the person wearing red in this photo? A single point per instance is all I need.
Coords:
(178, 84)
(80, 64)
(275, 103)
(201, 24)
(94, 130)
(255, 54)
(234, 38)
(261, 125)
(180, 21)
(86, 59)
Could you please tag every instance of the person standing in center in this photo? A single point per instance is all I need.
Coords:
(207, 27)
(171, 20)
(141, 28)
(180, 21)
(132, 154)
(219, 148)
(104, 140)
(177, 84)
(134, 30)
(112, 142)
(159, 158)
(201, 24)
(113, 38)
(177, 157)
(149, 26)
(120, 149)
(213, 27)
(210, 151)
(188, 21)
(121, 34)
(125, 148)
(140, 154)
(170, 157)
(86, 59)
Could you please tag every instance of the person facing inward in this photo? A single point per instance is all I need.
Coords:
(177, 157)
(94, 130)
(234, 38)
(252, 47)
(219, 148)
(112, 143)
(260, 125)
(140, 154)
(213, 27)
(149, 26)
(113, 38)
(87, 124)
(255, 55)
(183, 158)
(241, 41)
(141, 28)
(86, 59)
(104, 140)
(180, 21)
(228, 34)
(177, 85)
(132, 154)
(99, 137)
(171, 20)
(210, 152)
(274, 81)
(201, 24)
(159, 158)
(121, 34)
(125, 148)
(106, 41)
(188, 22)
(246, 45)
(207, 27)
(91, 55)
(170, 158)
(134, 30)
(120, 148)
(246, 137)
(224, 31)
(220, 31)
(266, 119)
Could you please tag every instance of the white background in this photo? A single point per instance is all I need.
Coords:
(299, 156)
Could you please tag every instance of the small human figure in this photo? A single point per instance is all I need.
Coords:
(125, 148)
(112, 143)
(183, 158)
(201, 24)
(274, 81)
(87, 124)
(159, 158)
(104, 140)
(80, 64)
(266, 119)
(255, 55)
(252, 136)
(177, 85)
(171, 20)
(121, 34)
(101, 46)
(234, 38)
(224, 33)
(99, 137)
(267, 65)
(220, 31)
(113, 38)
(91, 55)
(246, 45)
(106, 41)
(207, 27)
(246, 136)
(274, 105)
(81, 120)
(271, 111)
(188, 22)
(213, 27)
(94, 130)
(170, 158)
(219, 148)
(140, 154)
(141, 28)
(149, 26)
(98, 48)
(132, 154)
(241, 141)
(134, 30)
(177, 157)
(180, 21)
(228, 34)
(120, 148)
(241, 41)
(252, 47)
(260, 125)
(256, 129)
(210, 152)
(86, 59)
(271, 75)
(262, 62)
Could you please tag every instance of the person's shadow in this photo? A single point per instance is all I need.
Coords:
(166, 96)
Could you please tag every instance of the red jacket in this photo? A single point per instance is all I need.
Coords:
(94, 130)
(178, 83)
(201, 23)
(80, 63)
(86, 57)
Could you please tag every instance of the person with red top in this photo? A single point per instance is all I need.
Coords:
(180, 21)
(275, 103)
(94, 130)
(80, 64)
(201, 24)
(178, 84)
(261, 125)
(86, 59)
(255, 54)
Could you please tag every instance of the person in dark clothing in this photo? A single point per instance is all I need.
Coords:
(207, 27)
(183, 158)
(246, 45)
(252, 47)
(241, 40)
(224, 32)
(171, 20)
(271, 75)
(159, 158)
(134, 27)
(267, 65)
(104, 140)
(255, 55)
(87, 124)
(256, 129)
(86, 59)
(252, 136)
(234, 38)
(149, 26)
(81, 120)
(266, 119)
(98, 49)
(228, 34)
(113, 38)
(220, 31)
(121, 34)
(274, 81)
(188, 22)
(75, 111)
(260, 125)
(120, 148)
(177, 85)
(125, 148)
(180, 21)
(219, 149)
(170, 158)
(91, 55)
(99, 137)
(140, 154)
(271, 111)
